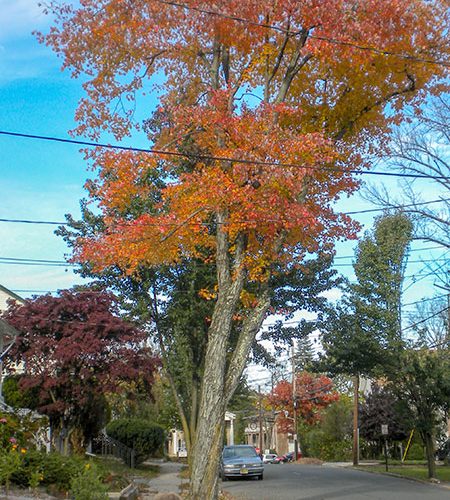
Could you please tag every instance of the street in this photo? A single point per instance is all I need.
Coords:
(312, 482)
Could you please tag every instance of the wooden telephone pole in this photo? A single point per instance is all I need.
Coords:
(261, 441)
(294, 399)
(355, 420)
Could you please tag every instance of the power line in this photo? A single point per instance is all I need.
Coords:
(326, 39)
(422, 300)
(409, 262)
(14, 260)
(48, 264)
(425, 319)
(413, 250)
(44, 262)
(216, 158)
(393, 207)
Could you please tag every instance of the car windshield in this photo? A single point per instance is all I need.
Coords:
(245, 451)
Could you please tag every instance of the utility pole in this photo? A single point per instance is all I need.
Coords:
(355, 420)
(261, 442)
(294, 399)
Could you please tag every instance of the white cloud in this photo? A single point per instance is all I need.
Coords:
(20, 17)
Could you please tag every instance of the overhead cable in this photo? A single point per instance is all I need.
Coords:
(178, 154)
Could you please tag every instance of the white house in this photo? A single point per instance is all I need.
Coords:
(176, 446)
(7, 332)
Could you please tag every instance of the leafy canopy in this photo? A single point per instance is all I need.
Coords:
(314, 93)
(313, 394)
(74, 348)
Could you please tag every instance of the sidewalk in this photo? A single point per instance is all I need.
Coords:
(168, 480)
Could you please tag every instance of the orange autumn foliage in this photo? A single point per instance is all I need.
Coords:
(321, 85)
(313, 394)
(266, 112)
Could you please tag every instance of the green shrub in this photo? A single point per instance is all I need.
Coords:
(88, 484)
(31, 468)
(144, 437)
(9, 463)
(54, 468)
(51, 468)
(11, 432)
(415, 452)
(319, 444)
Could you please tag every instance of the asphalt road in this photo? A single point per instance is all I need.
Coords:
(315, 482)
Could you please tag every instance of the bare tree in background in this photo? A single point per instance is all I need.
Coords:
(430, 323)
(422, 147)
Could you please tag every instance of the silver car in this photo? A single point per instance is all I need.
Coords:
(240, 461)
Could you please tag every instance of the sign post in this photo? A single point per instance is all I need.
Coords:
(385, 432)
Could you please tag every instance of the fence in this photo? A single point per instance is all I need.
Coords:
(105, 445)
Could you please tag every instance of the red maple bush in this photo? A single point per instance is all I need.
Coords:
(74, 349)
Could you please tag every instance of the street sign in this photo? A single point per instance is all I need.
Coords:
(384, 429)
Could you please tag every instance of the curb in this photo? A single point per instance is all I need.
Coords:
(130, 492)
(441, 484)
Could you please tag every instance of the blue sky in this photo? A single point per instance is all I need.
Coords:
(43, 181)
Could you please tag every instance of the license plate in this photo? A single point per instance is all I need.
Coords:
(244, 471)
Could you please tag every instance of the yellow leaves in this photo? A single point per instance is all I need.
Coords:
(249, 300)
(286, 179)
(206, 294)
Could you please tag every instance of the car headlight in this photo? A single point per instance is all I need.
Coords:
(229, 466)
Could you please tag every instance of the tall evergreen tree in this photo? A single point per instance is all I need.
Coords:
(362, 332)
(303, 354)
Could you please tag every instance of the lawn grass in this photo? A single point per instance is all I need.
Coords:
(412, 471)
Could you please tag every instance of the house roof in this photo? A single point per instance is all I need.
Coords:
(12, 294)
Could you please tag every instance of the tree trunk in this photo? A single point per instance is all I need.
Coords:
(211, 411)
(210, 426)
(208, 445)
(429, 451)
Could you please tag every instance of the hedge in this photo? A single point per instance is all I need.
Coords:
(143, 436)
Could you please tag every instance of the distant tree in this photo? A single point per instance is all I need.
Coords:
(74, 349)
(380, 407)
(423, 383)
(420, 146)
(313, 394)
(363, 331)
(361, 335)
(303, 354)
(330, 437)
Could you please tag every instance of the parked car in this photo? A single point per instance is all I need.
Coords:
(287, 457)
(269, 458)
(282, 459)
(240, 461)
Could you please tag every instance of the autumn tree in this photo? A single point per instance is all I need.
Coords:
(74, 349)
(313, 393)
(273, 110)
(381, 407)
(175, 303)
